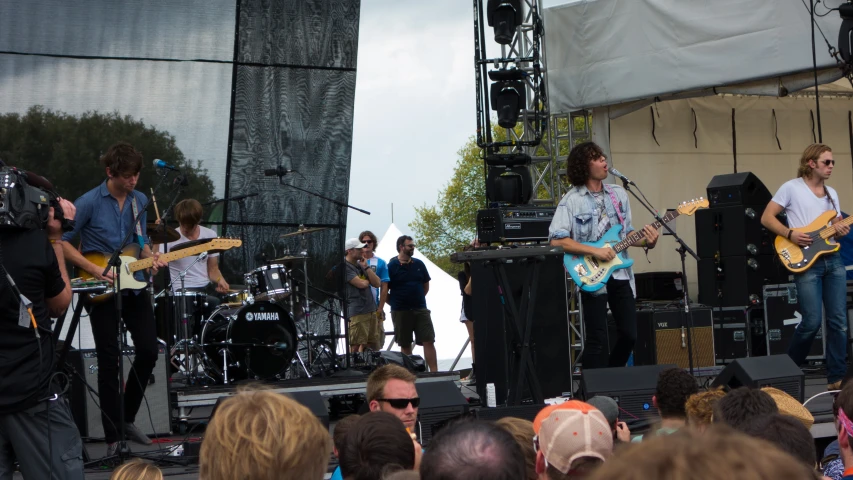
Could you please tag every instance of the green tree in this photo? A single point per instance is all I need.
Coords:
(65, 149)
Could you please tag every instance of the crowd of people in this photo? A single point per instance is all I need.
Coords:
(743, 433)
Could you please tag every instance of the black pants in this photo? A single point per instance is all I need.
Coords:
(620, 297)
(24, 435)
(139, 320)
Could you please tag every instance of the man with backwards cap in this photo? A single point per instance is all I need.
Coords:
(572, 439)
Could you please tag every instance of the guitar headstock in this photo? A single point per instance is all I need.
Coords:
(689, 208)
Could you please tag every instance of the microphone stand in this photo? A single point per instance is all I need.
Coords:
(189, 364)
(341, 266)
(114, 263)
(682, 250)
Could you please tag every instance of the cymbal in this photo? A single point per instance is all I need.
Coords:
(162, 233)
(289, 259)
(303, 231)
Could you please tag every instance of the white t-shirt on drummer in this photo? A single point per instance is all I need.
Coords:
(196, 276)
(801, 204)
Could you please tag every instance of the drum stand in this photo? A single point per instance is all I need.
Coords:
(190, 349)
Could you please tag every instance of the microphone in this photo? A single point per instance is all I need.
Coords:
(38, 181)
(625, 179)
(277, 172)
(161, 164)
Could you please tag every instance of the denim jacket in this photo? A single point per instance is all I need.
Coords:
(577, 217)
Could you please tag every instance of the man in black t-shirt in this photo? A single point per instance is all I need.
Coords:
(408, 286)
(28, 404)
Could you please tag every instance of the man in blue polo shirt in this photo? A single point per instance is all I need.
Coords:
(104, 215)
(408, 285)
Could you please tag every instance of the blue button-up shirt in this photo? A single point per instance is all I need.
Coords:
(577, 217)
(101, 224)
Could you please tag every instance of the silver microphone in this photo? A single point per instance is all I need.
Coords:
(625, 179)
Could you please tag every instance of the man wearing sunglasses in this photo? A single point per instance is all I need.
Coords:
(391, 388)
(408, 285)
(823, 287)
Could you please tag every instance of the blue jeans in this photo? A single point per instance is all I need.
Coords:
(823, 285)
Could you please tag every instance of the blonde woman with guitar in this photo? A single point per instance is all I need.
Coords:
(809, 250)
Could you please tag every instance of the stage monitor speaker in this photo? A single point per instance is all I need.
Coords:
(777, 371)
(737, 281)
(644, 347)
(733, 231)
(672, 344)
(550, 335)
(631, 387)
(441, 402)
(312, 400)
(737, 189)
(524, 412)
(84, 403)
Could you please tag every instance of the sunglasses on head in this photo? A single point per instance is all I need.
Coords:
(401, 403)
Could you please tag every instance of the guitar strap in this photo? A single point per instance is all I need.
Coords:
(615, 205)
(139, 239)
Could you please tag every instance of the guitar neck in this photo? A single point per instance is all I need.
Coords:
(830, 230)
(637, 235)
(168, 257)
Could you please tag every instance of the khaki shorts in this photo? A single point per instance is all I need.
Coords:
(417, 322)
(379, 340)
(362, 329)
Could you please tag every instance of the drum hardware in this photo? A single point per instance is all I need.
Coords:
(190, 349)
(303, 230)
(268, 283)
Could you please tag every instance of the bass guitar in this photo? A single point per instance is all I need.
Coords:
(590, 273)
(798, 259)
(131, 264)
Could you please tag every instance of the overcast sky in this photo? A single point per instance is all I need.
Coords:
(414, 106)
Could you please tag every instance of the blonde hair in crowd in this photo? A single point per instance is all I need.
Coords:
(136, 469)
(522, 431)
(812, 152)
(263, 435)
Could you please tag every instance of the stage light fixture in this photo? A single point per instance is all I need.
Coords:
(505, 16)
(508, 179)
(507, 95)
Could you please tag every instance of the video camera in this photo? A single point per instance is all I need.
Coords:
(25, 201)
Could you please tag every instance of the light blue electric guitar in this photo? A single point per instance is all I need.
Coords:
(591, 274)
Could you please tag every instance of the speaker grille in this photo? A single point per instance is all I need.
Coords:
(791, 387)
(670, 350)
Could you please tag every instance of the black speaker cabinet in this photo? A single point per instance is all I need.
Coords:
(441, 402)
(309, 399)
(733, 231)
(550, 338)
(738, 280)
(84, 403)
(737, 189)
(738, 333)
(631, 387)
(777, 371)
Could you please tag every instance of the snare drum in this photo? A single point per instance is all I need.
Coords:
(237, 298)
(255, 341)
(269, 283)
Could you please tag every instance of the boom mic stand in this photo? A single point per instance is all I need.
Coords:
(341, 206)
(114, 264)
(682, 250)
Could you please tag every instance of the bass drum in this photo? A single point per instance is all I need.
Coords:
(255, 341)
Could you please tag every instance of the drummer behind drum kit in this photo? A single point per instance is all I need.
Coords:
(256, 335)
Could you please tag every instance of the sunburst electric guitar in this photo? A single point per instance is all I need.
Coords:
(590, 273)
(131, 264)
(798, 259)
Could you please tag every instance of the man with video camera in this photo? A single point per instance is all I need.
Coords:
(36, 426)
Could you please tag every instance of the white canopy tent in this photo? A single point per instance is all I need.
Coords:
(444, 301)
(683, 91)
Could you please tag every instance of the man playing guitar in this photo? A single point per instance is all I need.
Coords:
(104, 214)
(823, 286)
(584, 214)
